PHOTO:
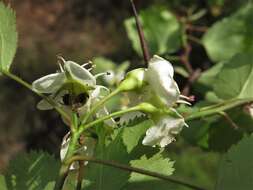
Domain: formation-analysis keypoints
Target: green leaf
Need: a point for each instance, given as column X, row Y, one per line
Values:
column 161, row 28
column 235, row 171
column 208, row 77
column 231, row 35
column 3, row 183
column 132, row 134
column 157, row 163
column 105, row 177
column 32, row 171
column 8, row 36
column 235, row 78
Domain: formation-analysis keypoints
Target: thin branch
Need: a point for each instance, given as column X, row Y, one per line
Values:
column 134, row 169
column 194, row 39
column 185, row 58
column 143, row 42
column 63, row 173
column 193, row 77
column 109, row 116
column 80, row 175
column 217, row 108
column 229, row 120
column 194, row 28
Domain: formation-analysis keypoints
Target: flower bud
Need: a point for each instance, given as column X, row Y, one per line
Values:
column 134, row 80
column 147, row 108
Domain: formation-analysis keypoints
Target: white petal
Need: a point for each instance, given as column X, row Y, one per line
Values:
column 153, row 137
column 165, row 66
column 50, row 83
column 79, row 73
column 160, row 76
column 163, row 133
column 44, row 105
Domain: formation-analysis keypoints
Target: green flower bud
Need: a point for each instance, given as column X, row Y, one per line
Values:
column 134, row 80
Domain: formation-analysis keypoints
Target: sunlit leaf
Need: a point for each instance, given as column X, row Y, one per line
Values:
column 231, row 35
column 157, row 163
column 235, row 78
column 8, row 36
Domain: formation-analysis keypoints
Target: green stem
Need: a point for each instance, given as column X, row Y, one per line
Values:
column 118, row 113
column 65, row 165
column 134, row 169
column 98, row 105
column 27, row 85
column 216, row 109
column 63, row 173
column 80, row 175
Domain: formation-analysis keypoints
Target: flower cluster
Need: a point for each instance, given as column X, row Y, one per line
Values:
column 74, row 89
column 160, row 89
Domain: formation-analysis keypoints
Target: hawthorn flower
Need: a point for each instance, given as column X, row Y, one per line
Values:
column 74, row 86
column 159, row 88
column 164, row 131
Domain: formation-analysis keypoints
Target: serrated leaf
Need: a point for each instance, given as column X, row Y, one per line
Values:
column 162, row 31
column 235, row 170
column 32, row 171
column 8, row 36
column 132, row 134
column 157, row 163
column 235, row 78
column 105, row 177
column 231, row 35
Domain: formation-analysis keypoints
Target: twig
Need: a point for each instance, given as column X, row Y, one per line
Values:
column 28, row 86
column 134, row 169
column 194, row 39
column 63, row 173
column 215, row 109
column 194, row 28
column 185, row 58
column 229, row 120
column 193, row 77
column 143, row 42
column 80, row 175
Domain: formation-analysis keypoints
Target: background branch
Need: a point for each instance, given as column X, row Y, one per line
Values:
column 143, row 42
column 134, row 169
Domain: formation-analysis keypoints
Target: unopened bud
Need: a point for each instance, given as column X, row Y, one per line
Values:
column 134, row 80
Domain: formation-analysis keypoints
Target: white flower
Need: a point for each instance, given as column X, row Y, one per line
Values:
column 159, row 75
column 74, row 84
column 164, row 131
column 160, row 89
column 71, row 74
column 86, row 149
